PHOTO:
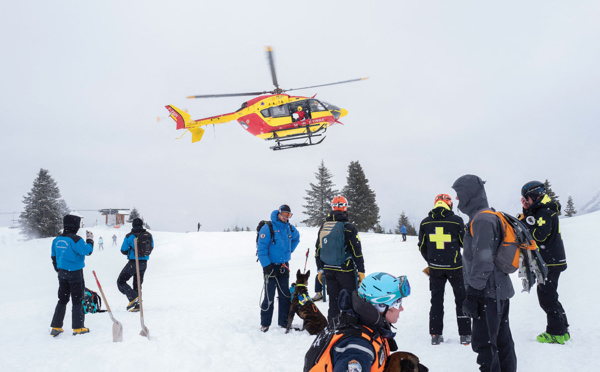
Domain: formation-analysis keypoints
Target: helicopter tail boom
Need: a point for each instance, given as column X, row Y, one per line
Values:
column 181, row 117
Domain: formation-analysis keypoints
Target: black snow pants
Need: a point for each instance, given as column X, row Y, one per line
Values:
column 492, row 339
column 70, row 285
column 548, row 299
column 335, row 282
column 437, row 286
column 126, row 274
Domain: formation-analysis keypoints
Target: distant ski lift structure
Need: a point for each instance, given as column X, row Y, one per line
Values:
column 114, row 216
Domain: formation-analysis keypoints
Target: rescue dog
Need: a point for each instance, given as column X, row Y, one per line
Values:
column 403, row 361
column 314, row 321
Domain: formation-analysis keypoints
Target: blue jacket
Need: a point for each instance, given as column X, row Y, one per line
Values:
column 403, row 229
column 128, row 246
column 70, row 250
column 287, row 238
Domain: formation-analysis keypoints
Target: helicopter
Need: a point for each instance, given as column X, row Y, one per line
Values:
column 289, row 121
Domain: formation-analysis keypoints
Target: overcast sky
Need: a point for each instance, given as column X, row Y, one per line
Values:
column 508, row 90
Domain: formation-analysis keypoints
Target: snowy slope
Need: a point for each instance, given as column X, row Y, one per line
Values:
column 201, row 300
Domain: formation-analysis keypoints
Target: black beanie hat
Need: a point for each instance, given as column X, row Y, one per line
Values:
column 71, row 222
column 137, row 223
column 285, row 208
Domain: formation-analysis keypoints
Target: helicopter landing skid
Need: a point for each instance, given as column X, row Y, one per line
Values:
column 302, row 139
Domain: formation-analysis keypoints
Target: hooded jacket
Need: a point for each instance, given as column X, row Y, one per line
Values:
column 351, row 241
column 69, row 249
column 440, row 239
column 287, row 238
column 479, row 270
column 542, row 220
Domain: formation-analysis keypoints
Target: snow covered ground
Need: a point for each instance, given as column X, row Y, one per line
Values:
column 201, row 301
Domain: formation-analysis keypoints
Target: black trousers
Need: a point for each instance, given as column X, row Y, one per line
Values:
column 70, row 285
column 335, row 282
column 492, row 339
column 437, row 286
column 548, row 299
column 126, row 274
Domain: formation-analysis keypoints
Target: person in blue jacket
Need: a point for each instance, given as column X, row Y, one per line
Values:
column 68, row 258
column 403, row 232
column 274, row 253
column 129, row 271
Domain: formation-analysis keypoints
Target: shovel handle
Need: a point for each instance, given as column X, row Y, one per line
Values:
column 102, row 293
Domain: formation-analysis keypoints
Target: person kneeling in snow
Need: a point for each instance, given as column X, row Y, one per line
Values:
column 360, row 338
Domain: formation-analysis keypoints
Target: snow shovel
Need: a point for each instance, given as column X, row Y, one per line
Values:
column 117, row 327
column 145, row 332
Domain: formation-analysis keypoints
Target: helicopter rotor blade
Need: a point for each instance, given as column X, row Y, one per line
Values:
column 324, row 85
column 229, row 95
column 272, row 67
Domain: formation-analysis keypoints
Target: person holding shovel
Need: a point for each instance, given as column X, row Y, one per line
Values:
column 129, row 271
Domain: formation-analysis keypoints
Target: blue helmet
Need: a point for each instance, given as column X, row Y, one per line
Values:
column 383, row 288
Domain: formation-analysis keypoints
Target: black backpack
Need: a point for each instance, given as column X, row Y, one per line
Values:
column 144, row 243
column 260, row 225
column 91, row 302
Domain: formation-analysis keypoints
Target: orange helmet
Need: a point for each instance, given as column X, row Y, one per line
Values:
column 443, row 198
column 339, row 203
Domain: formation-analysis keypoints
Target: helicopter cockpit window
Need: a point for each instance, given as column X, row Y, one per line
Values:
column 316, row 106
column 279, row 111
column 266, row 113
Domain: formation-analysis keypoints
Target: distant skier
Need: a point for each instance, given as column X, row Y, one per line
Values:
column 129, row 271
column 100, row 244
column 114, row 237
column 403, row 232
column 541, row 216
column 68, row 258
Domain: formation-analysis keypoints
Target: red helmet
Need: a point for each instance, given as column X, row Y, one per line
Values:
column 445, row 198
column 339, row 203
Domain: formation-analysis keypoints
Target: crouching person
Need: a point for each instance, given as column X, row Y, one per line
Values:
column 361, row 338
column 68, row 257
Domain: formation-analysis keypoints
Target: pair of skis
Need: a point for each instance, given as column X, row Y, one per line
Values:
column 117, row 326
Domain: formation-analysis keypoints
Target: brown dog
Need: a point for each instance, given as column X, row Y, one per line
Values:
column 314, row 321
column 403, row 361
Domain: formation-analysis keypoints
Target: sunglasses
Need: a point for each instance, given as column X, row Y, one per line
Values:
column 397, row 304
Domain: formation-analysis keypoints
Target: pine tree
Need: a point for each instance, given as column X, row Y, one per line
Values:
column 363, row 211
column 44, row 208
column 133, row 215
column 319, row 197
column 549, row 191
column 570, row 211
column 379, row 229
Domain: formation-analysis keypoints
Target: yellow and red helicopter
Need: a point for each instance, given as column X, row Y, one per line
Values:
column 291, row 121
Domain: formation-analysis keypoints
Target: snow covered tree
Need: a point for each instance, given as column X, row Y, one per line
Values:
column 133, row 215
column 44, row 208
column 379, row 229
column 319, row 197
column 570, row 211
column 363, row 211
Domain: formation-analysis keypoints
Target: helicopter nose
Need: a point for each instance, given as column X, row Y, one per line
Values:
column 343, row 112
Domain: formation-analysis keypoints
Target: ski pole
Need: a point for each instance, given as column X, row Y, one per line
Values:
column 306, row 260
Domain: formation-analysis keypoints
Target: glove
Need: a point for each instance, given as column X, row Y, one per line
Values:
column 89, row 235
column 426, row 270
column 320, row 276
column 361, row 276
column 473, row 304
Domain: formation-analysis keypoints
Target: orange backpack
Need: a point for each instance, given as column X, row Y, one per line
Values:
column 518, row 251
